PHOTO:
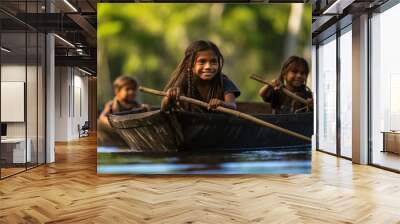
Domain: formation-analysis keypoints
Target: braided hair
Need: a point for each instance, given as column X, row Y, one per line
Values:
column 183, row 74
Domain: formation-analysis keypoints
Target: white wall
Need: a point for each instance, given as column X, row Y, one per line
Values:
column 61, row 103
column 71, row 102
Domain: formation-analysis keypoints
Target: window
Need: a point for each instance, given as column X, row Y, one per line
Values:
column 327, row 95
column 346, row 92
column 385, row 88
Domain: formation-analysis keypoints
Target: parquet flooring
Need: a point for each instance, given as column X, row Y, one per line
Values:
column 70, row 191
column 10, row 171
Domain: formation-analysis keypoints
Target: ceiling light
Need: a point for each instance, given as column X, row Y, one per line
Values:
column 337, row 7
column 70, row 5
column 65, row 41
column 84, row 71
column 5, row 50
column 331, row 7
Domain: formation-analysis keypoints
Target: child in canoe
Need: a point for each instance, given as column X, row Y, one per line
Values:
column 199, row 76
column 293, row 77
column 125, row 89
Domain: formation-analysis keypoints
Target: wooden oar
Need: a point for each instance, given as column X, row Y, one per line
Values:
column 231, row 112
column 285, row 91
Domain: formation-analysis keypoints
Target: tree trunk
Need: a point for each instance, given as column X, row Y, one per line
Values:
column 294, row 25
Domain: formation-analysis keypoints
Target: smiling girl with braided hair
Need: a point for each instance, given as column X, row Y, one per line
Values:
column 199, row 76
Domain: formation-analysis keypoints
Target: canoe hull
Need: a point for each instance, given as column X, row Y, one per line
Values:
column 227, row 132
column 155, row 131
column 149, row 131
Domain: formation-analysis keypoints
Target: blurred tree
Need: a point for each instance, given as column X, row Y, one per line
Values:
column 104, row 90
column 147, row 41
column 294, row 26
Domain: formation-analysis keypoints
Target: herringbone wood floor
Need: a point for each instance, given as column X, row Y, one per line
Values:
column 70, row 191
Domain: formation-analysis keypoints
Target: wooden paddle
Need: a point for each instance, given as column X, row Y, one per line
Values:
column 284, row 90
column 231, row 112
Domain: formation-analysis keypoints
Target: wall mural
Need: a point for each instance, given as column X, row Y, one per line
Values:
column 204, row 88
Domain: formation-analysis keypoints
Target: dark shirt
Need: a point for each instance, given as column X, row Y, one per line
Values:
column 230, row 87
column 283, row 104
column 227, row 85
column 114, row 106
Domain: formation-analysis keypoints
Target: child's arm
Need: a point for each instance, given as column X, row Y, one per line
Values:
column 264, row 91
column 310, row 104
column 171, row 97
column 310, row 100
column 229, row 102
column 164, row 104
column 146, row 107
column 103, row 118
column 268, row 93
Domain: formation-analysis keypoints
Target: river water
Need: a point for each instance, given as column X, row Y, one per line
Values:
column 293, row 160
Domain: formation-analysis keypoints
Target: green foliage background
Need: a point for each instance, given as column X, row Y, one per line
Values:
column 147, row 41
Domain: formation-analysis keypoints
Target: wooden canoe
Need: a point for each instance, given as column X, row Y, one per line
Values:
column 156, row 131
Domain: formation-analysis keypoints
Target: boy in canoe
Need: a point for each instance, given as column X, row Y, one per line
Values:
column 199, row 76
column 293, row 77
column 125, row 89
